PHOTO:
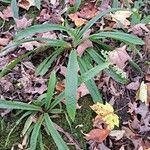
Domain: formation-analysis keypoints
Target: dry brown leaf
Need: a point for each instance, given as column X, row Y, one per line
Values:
column 88, row 11
column 121, row 17
column 23, row 23
column 138, row 29
column 83, row 46
column 147, row 43
column 26, row 4
column 82, row 91
column 133, row 85
column 119, row 56
column 118, row 134
column 30, row 45
column 4, row 41
column 60, row 86
column 98, row 135
column 78, row 21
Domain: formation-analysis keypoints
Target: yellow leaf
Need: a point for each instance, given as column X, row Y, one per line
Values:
column 102, row 109
column 111, row 120
column 106, row 112
column 142, row 93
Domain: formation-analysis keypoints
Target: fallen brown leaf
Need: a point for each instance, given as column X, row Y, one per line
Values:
column 119, row 56
column 26, row 4
column 98, row 135
column 23, row 23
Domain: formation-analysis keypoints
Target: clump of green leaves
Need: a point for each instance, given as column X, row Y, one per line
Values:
column 41, row 110
column 87, row 69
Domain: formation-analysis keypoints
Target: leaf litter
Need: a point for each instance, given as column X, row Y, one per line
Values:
column 22, row 83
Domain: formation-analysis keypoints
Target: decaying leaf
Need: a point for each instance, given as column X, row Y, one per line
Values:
column 78, row 21
column 118, row 134
column 97, row 135
column 106, row 112
column 23, row 23
column 121, row 17
column 119, row 56
column 142, row 93
column 83, row 46
column 26, row 4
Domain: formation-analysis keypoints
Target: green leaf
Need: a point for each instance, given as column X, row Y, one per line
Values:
column 93, row 72
column 98, row 59
column 85, row 66
column 40, row 29
column 54, row 133
column 37, row 4
column 35, row 133
column 115, row 4
column 146, row 19
column 71, row 84
column 50, row 90
column 18, row 105
column 13, row 63
column 15, row 9
column 118, row 36
column 49, row 42
column 46, row 64
column 16, row 124
column 27, row 125
column 96, row 18
column 41, row 142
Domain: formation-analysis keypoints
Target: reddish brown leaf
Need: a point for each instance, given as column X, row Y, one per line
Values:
column 98, row 135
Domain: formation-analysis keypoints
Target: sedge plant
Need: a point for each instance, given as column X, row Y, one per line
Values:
column 87, row 69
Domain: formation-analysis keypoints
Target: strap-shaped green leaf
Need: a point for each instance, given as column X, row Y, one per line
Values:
column 84, row 66
column 46, row 64
column 16, row 124
column 129, row 38
column 54, row 133
column 97, row 17
column 50, row 90
column 15, row 9
column 35, row 133
column 98, row 59
column 37, row 4
column 40, row 29
column 71, row 84
column 18, row 105
column 13, row 63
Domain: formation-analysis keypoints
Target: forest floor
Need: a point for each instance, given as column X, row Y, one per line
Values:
column 130, row 101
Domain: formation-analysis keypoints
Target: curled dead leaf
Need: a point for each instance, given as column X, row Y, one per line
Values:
column 98, row 135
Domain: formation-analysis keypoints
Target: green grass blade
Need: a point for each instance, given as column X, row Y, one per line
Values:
column 13, row 63
column 40, row 29
column 18, row 105
column 58, row 99
column 41, row 141
column 71, row 84
column 27, row 125
column 129, row 38
column 16, row 124
column 46, row 64
column 97, row 17
column 95, row 94
column 35, row 133
column 50, row 90
column 54, row 133
column 15, row 9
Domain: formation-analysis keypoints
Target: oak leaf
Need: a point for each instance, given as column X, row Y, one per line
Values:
column 26, row 4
